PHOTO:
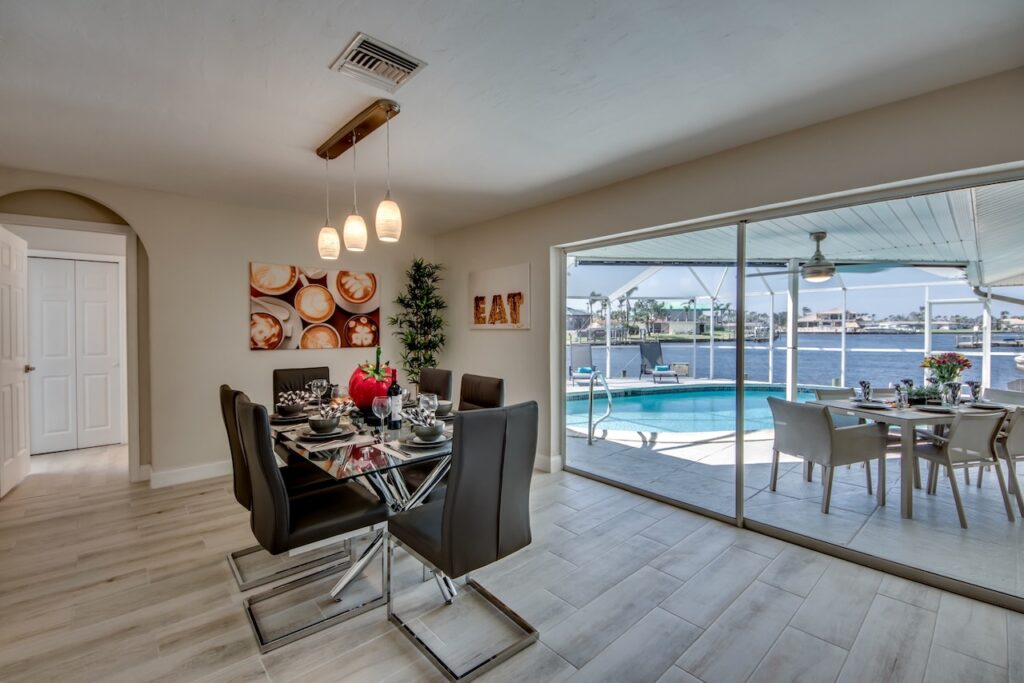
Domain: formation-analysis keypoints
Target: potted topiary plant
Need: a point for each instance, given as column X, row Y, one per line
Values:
column 420, row 327
column 919, row 396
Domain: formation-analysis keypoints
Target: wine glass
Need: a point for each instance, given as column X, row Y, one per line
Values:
column 318, row 387
column 865, row 390
column 381, row 408
column 428, row 404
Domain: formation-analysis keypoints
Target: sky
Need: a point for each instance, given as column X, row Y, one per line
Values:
column 675, row 281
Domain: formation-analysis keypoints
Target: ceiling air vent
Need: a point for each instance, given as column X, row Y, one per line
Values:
column 377, row 63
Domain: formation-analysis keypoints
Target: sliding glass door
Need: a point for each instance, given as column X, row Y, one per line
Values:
column 686, row 349
column 656, row 339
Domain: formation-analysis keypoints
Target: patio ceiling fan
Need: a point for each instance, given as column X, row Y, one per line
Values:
column 819, row 269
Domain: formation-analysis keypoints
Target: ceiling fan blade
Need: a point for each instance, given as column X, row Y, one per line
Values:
column 751, row 273
column 867, row 267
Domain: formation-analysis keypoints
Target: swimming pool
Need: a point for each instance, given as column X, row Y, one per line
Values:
column 692, row 409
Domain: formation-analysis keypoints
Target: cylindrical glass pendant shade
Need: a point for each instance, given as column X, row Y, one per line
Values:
column 328, row 243
column 355, row 233
column 389, row 221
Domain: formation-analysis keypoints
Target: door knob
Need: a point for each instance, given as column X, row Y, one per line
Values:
column 29, row 368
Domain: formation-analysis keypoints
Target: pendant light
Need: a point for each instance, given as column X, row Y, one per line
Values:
column 355, row 227
column 328, row 243
column 389, row 216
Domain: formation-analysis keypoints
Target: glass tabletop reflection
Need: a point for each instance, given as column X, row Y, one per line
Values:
column 363, row 452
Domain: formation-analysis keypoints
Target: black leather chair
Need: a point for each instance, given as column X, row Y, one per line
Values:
column 484, row 516
column 436, row 381
column 479, row 392
column 298, row 478
column 281, row 522
column 296, row 379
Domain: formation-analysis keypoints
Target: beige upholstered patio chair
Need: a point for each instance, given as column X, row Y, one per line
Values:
column 1013, row 398
column 1011, row 442
column 807, row 431
column 971, row 440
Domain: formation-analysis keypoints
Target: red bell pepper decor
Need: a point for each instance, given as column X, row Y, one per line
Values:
column 369, row 381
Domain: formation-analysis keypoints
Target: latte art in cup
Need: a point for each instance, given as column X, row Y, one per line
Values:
column 320, row 337
column 272, row 278
column 265, row 331
column 314, row 303
column 361, row 331
column 357, row 287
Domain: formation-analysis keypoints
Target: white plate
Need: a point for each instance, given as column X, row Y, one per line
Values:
column 986, row 405
column 942, row 410
column 870, row 405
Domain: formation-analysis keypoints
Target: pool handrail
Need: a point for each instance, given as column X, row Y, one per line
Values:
column 591, row 425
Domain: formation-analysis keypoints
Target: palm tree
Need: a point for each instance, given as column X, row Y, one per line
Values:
column 624, row 300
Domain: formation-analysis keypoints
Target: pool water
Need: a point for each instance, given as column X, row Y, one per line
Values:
column 704, row 410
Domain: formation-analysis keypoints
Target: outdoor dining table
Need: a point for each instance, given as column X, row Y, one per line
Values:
column 374, row 461
column 907, row 419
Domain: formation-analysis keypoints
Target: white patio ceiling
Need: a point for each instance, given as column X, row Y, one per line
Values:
column 983, row 226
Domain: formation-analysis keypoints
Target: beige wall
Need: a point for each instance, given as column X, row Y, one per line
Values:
column 197, row 254
column 971, row 125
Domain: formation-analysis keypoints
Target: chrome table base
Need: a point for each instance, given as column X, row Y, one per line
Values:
column 394, row 492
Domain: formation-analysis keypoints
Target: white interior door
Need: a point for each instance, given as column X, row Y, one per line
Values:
column 53, row 383
column 14, row 430
column 98, row 354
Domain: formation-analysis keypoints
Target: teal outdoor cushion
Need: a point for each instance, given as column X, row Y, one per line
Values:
column 661, row 368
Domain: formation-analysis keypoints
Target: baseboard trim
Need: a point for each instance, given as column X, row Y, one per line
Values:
column 547, row 463
column 158, row 479
column 142, row 474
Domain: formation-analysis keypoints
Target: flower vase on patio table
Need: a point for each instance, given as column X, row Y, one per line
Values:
column 951, row 393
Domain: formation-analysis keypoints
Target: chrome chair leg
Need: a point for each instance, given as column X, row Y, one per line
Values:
column 443, row 587
column 266, row 643
column 530, row 634
column 336, row 560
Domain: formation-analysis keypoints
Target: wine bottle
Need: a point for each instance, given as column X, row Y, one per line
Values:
column 395, row 400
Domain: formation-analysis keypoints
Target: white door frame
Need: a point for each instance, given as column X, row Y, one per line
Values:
column 136, row 471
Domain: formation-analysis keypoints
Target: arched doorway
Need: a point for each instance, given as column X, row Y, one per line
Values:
column 49, row 213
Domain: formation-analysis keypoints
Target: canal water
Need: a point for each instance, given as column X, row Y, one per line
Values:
column 877, row 358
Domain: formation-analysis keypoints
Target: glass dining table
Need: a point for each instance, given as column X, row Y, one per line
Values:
column 375, row 460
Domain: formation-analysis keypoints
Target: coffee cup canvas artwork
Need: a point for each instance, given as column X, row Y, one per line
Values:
column 291, row 307
column 500, row 298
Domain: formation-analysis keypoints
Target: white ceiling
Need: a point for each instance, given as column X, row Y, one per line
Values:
column 521, row 102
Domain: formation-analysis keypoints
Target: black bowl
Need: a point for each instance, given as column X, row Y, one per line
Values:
column 322, row 426
column 289, row 410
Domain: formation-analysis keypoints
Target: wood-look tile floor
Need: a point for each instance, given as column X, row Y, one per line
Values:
column 989, row 553
column 101, row 580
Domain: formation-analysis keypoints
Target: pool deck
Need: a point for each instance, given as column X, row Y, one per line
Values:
column 580, row 388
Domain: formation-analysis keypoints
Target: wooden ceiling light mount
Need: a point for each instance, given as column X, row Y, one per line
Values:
column 363, row 123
